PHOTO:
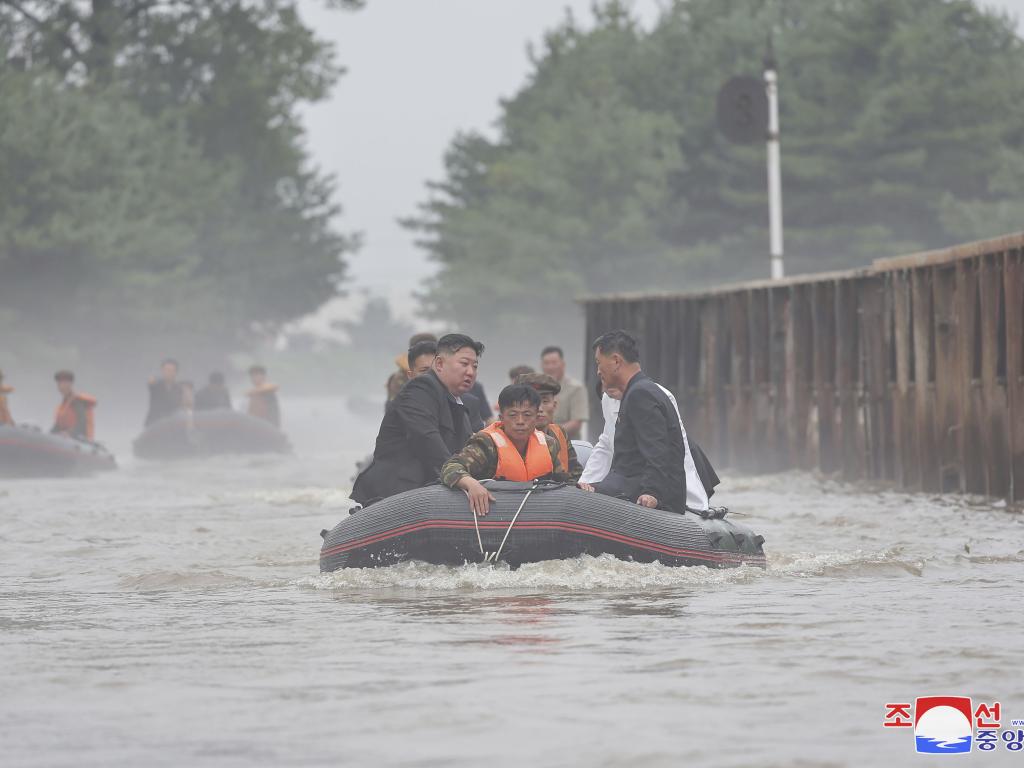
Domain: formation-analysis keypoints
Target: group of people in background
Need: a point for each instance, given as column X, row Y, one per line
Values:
column 169, row 395
column 438, row 425
column 75, row 414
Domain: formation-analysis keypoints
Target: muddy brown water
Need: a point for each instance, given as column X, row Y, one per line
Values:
column 174, row 615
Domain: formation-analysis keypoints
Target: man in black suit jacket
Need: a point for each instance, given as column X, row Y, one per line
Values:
column 647, row 463
column 424, row 425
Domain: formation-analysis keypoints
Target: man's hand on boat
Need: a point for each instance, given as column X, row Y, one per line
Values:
column 479, row 497
column 646, row 500
column 585, row 487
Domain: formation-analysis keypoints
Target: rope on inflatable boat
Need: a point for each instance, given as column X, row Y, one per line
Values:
column 492, row 557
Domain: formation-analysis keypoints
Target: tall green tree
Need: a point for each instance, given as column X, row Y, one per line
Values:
column 166, row 199
column 902, row 128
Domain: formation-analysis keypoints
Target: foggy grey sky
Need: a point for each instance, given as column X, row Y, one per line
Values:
column 418, row 72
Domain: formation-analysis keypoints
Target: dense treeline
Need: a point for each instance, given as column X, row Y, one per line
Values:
column 156, row 193
column 902, row 128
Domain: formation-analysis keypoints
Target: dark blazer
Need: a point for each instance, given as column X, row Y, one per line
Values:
column 649, row 448
column 164, row 400
column 422, row 427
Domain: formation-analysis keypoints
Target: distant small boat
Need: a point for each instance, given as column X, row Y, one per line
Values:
column 207, row 433
column 27, row 451
column 530, row 523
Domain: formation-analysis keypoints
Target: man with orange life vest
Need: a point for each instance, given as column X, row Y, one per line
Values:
column 263, row 397
column 511, row 448
column 75, row 413
column 5, row 413
column 548, row 388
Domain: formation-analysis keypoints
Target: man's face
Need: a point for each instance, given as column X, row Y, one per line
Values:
column 553, row 365
column 519, row 420
column 169, row 372
column 608, row 367
column 257, row 378
column 457, row 371
column 64, row 387
column 419, row 366
column 546, row 416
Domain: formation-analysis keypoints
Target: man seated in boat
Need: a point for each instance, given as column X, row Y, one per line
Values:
column 263, row 397
column 701, row 477
column 421, row 358
column 214, row 395
column 548, row 388
column 404, row 365
column 74, row 416
column 5, row 413
column 164, row 392
column 648, row 462
column 424, row 425
column 512, row 448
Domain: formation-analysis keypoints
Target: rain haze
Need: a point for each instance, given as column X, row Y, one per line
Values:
column 641, row 504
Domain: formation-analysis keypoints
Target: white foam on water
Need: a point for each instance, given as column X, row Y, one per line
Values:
column 605, row 572
column 312, row 497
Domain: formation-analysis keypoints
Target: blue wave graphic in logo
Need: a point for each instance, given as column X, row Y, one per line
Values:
column 943, row 746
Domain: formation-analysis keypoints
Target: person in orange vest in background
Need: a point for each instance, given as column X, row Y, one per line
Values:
column 75, row 413
column 511, row 448
column 263, row 397
column 548, row 388
column 5, row 413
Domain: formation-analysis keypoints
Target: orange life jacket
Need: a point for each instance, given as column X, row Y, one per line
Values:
column 5, row 413
column 66, row 420
column 511, row 465
column 563, row 445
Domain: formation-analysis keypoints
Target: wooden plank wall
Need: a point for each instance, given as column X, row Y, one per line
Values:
column 909, row 373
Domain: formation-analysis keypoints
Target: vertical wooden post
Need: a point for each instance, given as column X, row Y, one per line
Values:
column 907, row 473
column 847, row 378
column 823, row 313
column 948, row 420
column 1013, row 298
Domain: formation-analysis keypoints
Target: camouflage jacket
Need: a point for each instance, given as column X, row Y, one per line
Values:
column 575, row 468
column 479, row 459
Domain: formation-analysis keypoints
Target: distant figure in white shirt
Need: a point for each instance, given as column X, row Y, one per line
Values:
column 600, row 460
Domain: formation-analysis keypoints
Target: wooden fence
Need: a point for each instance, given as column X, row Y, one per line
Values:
column 910, row 371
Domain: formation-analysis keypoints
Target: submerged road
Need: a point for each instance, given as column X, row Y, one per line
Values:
column 173, row 615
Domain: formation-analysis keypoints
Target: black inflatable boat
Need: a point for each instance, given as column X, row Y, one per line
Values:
column 29, row 452
column 530, row 523
column 209, row 432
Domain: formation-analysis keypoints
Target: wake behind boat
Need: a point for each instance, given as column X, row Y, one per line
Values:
column 27, row 451
column 531, row 523
column 204, row 433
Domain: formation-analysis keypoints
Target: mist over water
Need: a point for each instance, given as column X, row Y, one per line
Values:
column 173, row 614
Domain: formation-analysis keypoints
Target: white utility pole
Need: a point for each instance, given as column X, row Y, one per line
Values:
column 774, row 166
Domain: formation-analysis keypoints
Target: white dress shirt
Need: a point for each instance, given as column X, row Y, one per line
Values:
column 600, row 461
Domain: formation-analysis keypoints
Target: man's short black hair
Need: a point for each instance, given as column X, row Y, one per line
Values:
column 618, row 341
column 517, row 394
column 257, row 369
column 451, row 343
column 63, row 376
column 217, row 378
column 552, row 349
column 169, row 361
column 421, row 348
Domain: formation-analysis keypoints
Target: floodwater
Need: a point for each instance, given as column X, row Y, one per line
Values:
column 173, row 615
